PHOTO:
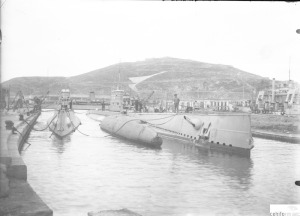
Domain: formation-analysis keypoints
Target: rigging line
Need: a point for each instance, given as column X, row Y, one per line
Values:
column 122, row 126
column 126, row 123
column 27, row 146
column 23, row 137
column 141, row 120
column 161, row 123
column 68, row 114
column 41, row 129
column 82, row 133
column 105, row 135
column 55, row 124
column 170, row 116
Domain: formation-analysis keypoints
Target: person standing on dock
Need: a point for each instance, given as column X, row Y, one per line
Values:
column 71, row 104
column 176, row 103
column 140, row 105
column 136, row 104
column 103, row 105
column 37, row 104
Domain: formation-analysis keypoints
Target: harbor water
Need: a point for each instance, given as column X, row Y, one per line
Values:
column 83, row 173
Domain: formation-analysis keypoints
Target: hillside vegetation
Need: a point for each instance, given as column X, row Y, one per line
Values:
column 191, row 79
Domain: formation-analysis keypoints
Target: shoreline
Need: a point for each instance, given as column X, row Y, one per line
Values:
column 291, row 138
column 276, row 127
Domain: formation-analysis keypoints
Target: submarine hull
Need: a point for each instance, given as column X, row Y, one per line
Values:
column 63, row 122
column 131, row 129
column 225, row 132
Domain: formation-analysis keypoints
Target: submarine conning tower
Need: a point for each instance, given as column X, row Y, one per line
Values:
column 116, row 102
column 64, row 99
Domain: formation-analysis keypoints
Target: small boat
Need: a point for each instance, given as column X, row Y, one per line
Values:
column 64, row 121
column 132, row 129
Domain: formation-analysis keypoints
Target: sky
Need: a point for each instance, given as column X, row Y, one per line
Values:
column 68, row 38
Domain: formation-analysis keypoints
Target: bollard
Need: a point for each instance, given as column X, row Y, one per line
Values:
column 13, row 130
column 21, row 117
column 9, row 125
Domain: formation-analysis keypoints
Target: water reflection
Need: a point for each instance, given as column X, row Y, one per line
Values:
column 60, row 144
column 90, row 173
column 237, row 168
column 135, row 144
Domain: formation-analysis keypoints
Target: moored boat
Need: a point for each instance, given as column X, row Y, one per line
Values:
column 229, row 132
column 64, row 121
column 221, row 131
column 130, row 128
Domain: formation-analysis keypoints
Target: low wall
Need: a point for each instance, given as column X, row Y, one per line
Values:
column 21, row 198
column 285, row 138
column 17, row 169
column 76, row 106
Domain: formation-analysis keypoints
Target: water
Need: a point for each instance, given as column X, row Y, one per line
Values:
column 92, row 173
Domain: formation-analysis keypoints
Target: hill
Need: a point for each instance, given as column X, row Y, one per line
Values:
column 186, row 77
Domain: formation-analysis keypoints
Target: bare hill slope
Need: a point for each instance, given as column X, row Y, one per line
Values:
column 186, row 77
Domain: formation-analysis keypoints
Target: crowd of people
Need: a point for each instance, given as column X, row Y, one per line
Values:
column 140, row 105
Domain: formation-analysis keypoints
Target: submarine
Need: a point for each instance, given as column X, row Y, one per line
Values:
column 132, row 129
column 64, row 121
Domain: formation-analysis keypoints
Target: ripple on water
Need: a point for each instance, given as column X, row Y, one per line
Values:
column 89, row 173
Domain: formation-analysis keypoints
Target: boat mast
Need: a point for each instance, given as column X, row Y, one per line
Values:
column 8, row 97
column 290, row 68
column 119, row 78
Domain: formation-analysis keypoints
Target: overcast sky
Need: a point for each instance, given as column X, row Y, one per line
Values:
column 67, row 38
